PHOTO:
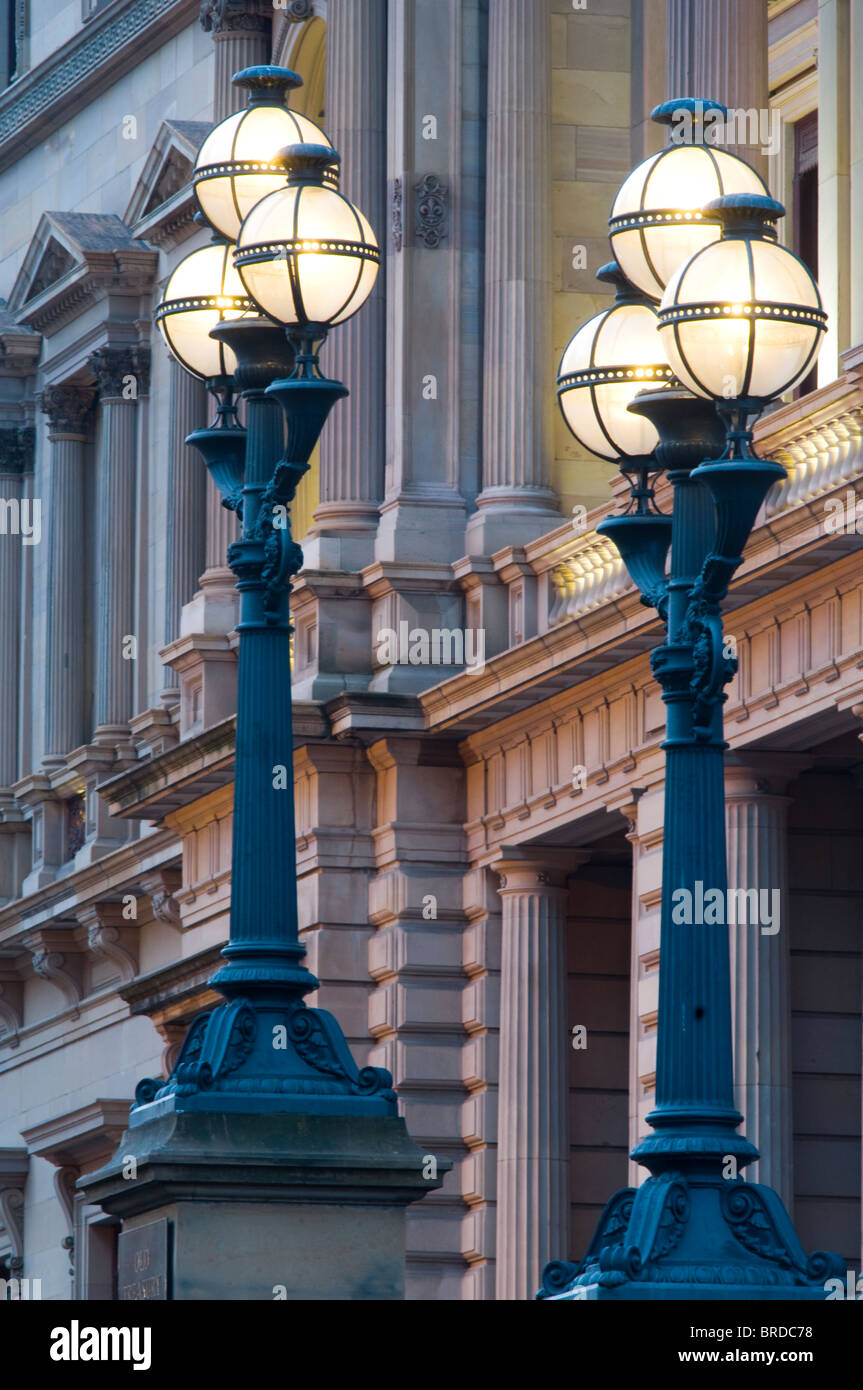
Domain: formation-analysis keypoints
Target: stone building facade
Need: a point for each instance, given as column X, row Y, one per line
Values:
column 479, row 843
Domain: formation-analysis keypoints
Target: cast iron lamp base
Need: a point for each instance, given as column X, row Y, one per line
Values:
column 690, row 1234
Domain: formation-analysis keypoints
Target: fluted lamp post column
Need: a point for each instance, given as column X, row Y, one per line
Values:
column 740, row 321
column 264, row 1088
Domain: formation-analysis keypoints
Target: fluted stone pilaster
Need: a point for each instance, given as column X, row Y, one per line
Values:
column 353, row 445
column 221, row 530
column 242, row 33
column 756, row 819
column 719, row 50
column 533, row 1153
column 187, row 504
column 16, row 451
column 855, row 169
column 67, row 408
column 516, row 502
column 22, row 527
column 121, row 376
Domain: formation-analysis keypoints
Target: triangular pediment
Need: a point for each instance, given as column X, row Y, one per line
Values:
column 56, row 261
column 62, row 243
column 72, row 256
column 163, row 204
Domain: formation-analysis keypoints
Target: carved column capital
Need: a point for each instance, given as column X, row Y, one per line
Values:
column 762, row 774
column 67, row 408
column 121, row 373
column 525, row 870
column 230, row 17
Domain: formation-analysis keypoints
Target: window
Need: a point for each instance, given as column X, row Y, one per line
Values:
column 806, row 209
column 90, row 8
column 14, row 28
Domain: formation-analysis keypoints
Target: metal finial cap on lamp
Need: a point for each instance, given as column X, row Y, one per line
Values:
column 608, row 360
column 659, row 218
column 305, row 254
column 267, row 84
column 237, row 164
column 761, row 336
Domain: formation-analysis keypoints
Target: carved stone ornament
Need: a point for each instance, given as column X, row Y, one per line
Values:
column 432, row 209
column 17, row 448
column 54, row 966
column 235, row 16
column 397, row 206
column 114, row 367
column 12, row 1217
column 165, row 908
column 67, row 408
column 108, row 943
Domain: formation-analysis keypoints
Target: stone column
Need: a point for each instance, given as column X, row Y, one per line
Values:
column 719, row 50
column 201, row 532
column 187, row 499
column 118, row 373
column 533, row 1147
column 516, row 503
column 856, row 173
column 242, row 32
column 67, row 408
column 16, row 449
column 23, row 527
column 756, row 818
column 354, row 443
column 836, row 144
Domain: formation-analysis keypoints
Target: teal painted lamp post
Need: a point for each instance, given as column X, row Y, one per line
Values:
column 291, row 257
column 267, row 1130
column 739, row 323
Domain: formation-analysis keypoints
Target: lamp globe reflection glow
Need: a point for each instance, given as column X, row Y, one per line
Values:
column 608, row 360
column 203, row 290
column 761, row 336
column 305, row 254
column 237, row 164
column 658, row 219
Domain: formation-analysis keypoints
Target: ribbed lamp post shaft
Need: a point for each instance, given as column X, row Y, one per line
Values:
column 694, row 1068
column 264, row 953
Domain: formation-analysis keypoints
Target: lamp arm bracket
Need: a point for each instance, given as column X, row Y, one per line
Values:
column 713, row 666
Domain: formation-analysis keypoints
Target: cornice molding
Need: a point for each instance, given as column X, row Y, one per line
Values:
column 79, row 1138
column 104, row 51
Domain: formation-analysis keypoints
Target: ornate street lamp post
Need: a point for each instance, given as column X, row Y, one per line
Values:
column 257, row 472
column 265, row 1101
column 740, row 323
column 229, row 328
